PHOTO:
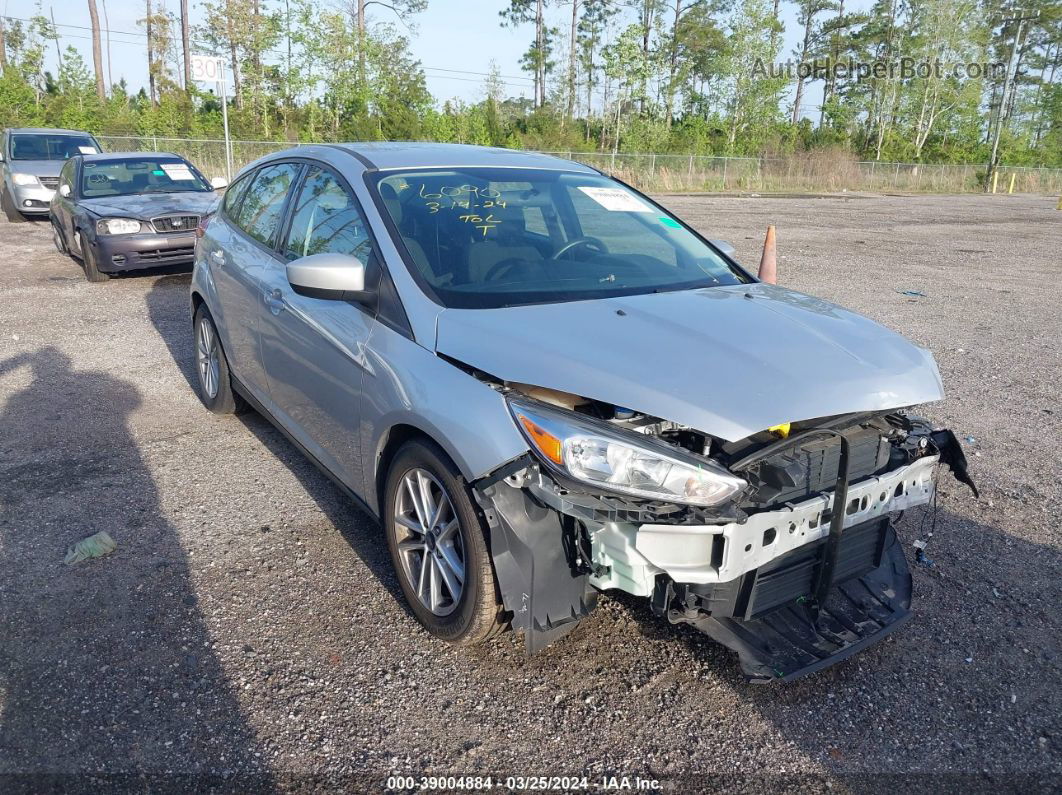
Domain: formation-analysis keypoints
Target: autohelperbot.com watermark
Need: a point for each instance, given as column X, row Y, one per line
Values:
column 903, row 68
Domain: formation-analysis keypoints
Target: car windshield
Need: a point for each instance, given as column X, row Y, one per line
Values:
column 140, row 175
column 492, row 237
column 42, row 146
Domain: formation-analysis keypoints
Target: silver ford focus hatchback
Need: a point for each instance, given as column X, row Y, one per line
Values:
column 544, row 385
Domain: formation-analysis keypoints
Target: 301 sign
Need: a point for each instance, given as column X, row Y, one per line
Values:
column 207, row 69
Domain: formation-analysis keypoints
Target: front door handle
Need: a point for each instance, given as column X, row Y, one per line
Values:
column 275, row 301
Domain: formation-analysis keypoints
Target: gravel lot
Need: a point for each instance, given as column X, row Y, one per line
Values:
column 248, row 632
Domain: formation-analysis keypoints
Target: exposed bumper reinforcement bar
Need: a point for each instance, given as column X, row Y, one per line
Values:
column 685, row 553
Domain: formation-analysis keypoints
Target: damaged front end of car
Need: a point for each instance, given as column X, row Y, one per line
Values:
column 779, row 546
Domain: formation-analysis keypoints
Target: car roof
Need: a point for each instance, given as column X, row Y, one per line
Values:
column 43, row 130
column 104, row 156
column 385, row 155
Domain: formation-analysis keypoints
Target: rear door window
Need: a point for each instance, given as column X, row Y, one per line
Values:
column 233, row 193
column 262, row 208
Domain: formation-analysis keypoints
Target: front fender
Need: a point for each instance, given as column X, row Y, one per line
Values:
column 408, row 385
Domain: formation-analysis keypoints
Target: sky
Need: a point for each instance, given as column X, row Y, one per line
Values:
column 455, row 40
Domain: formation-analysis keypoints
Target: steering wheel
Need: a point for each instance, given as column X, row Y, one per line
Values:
column 502, row 268
column 580, row 241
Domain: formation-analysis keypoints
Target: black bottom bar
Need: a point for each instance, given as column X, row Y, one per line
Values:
column 791, row 641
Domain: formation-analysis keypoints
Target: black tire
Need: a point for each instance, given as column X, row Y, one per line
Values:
column 12, row 213
column 224, row 399
column 59, row 240
column 478, row 613
column 88, row 263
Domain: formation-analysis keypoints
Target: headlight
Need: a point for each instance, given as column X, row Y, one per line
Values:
column 25, row 179
column 616, row 460
column 117, row 226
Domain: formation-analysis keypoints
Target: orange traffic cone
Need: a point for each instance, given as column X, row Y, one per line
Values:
column 768, row 265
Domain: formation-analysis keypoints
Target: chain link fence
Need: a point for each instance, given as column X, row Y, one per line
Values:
column 810, row 171
column 208, row 154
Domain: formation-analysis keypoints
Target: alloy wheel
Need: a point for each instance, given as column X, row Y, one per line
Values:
column 207, row 358
column 428, row 537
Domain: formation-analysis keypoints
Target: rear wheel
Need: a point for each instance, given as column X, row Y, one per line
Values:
column 439, row 547
column 10, row 210
column 88, row 263
column 215, row 383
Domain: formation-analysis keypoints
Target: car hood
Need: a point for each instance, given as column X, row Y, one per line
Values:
column 728, row 361
column 149, row 205
column 39, row 168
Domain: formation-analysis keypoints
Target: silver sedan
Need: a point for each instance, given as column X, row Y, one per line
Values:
column 544, row 385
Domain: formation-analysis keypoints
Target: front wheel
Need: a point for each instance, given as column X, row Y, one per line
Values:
column 439, row 547
column 215, row 383
column 88, row 263
column 10, row 210
column 59, row 240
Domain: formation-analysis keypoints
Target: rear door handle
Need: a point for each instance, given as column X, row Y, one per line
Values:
column 218, row 256
column 275, row 301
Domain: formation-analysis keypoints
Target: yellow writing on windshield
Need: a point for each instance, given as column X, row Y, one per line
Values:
column 460, row 197
column 485, row 224
column 458, row 191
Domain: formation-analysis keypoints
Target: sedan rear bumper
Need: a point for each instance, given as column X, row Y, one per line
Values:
column 118, row 253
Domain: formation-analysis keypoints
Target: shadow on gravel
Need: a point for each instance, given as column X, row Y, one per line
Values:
column 106, row 667
column 167, row 304
column 359, row 530
column 168, row 308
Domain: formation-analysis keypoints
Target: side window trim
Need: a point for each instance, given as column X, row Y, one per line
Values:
column 390, row 312
column 289, row 199
column 289, row 210
column 75, row 185
column 64, row 172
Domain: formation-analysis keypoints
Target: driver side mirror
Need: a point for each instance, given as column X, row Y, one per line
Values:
column 336, row 277
column 217, row 183
column 64, row 190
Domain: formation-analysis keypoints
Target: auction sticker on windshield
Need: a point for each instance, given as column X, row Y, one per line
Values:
column 176, row 171
column 617, row 200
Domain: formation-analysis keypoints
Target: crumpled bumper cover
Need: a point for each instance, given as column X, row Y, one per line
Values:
column 543, row 588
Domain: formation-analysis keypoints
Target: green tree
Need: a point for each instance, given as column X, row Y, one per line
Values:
column 75, row 103
column 627, row 63
column 536, row 59
column 752, row 97
column 809, row 43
